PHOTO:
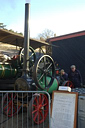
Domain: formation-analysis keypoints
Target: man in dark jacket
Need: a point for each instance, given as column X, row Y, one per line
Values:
column 75, row 77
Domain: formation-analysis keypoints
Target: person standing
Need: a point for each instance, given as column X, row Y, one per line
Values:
column 75, row 77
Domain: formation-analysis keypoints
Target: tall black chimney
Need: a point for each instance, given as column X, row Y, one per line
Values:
column 26, row 40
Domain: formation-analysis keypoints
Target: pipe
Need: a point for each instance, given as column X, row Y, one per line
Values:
column 26, row 40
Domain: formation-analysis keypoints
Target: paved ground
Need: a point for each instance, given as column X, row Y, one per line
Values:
column 14, row 123
column 20, row 120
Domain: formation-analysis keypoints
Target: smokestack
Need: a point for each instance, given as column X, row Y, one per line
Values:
column 26, row 40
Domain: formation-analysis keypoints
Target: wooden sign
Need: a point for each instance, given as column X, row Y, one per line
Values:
column 64, row 109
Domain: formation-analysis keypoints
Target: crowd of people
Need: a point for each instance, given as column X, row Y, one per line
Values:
column 74, row 76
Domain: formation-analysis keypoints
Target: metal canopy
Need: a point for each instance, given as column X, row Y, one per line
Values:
column 18, row 40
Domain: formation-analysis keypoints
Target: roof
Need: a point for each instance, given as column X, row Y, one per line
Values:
column 18, row 40
column 67, row 36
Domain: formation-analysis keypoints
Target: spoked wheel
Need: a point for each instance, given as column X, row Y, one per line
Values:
column 44, row 68
column 9, row 107
column 38, row 108
column 68, row 84
column 32, row 57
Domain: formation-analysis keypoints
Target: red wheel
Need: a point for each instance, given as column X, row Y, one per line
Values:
column 38, row 108
column 9, row 108
column 68, row 84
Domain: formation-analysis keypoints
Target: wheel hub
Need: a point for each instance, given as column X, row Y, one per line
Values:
column 39, row 106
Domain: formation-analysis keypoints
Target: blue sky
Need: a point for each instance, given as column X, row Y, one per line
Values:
column 60, row 16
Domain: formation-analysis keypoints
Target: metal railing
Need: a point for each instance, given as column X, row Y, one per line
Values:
column 24, row 109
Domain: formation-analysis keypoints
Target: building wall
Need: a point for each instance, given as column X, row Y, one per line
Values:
column 70, row 51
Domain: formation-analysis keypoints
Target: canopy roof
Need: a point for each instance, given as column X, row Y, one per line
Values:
column 18, row 40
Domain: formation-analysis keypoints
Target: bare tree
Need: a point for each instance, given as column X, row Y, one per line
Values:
column 46, row 34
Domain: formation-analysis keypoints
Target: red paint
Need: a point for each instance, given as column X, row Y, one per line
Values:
column 67, row 36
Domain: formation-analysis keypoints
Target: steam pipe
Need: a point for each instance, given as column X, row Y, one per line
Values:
column 26, row 40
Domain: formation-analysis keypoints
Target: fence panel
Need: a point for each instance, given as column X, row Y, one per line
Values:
column 24, row 109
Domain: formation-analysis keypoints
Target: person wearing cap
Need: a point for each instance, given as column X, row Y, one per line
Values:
column 75, row 77
column 64, row 75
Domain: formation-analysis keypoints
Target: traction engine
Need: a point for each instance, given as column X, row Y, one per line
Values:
column 29, row 74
